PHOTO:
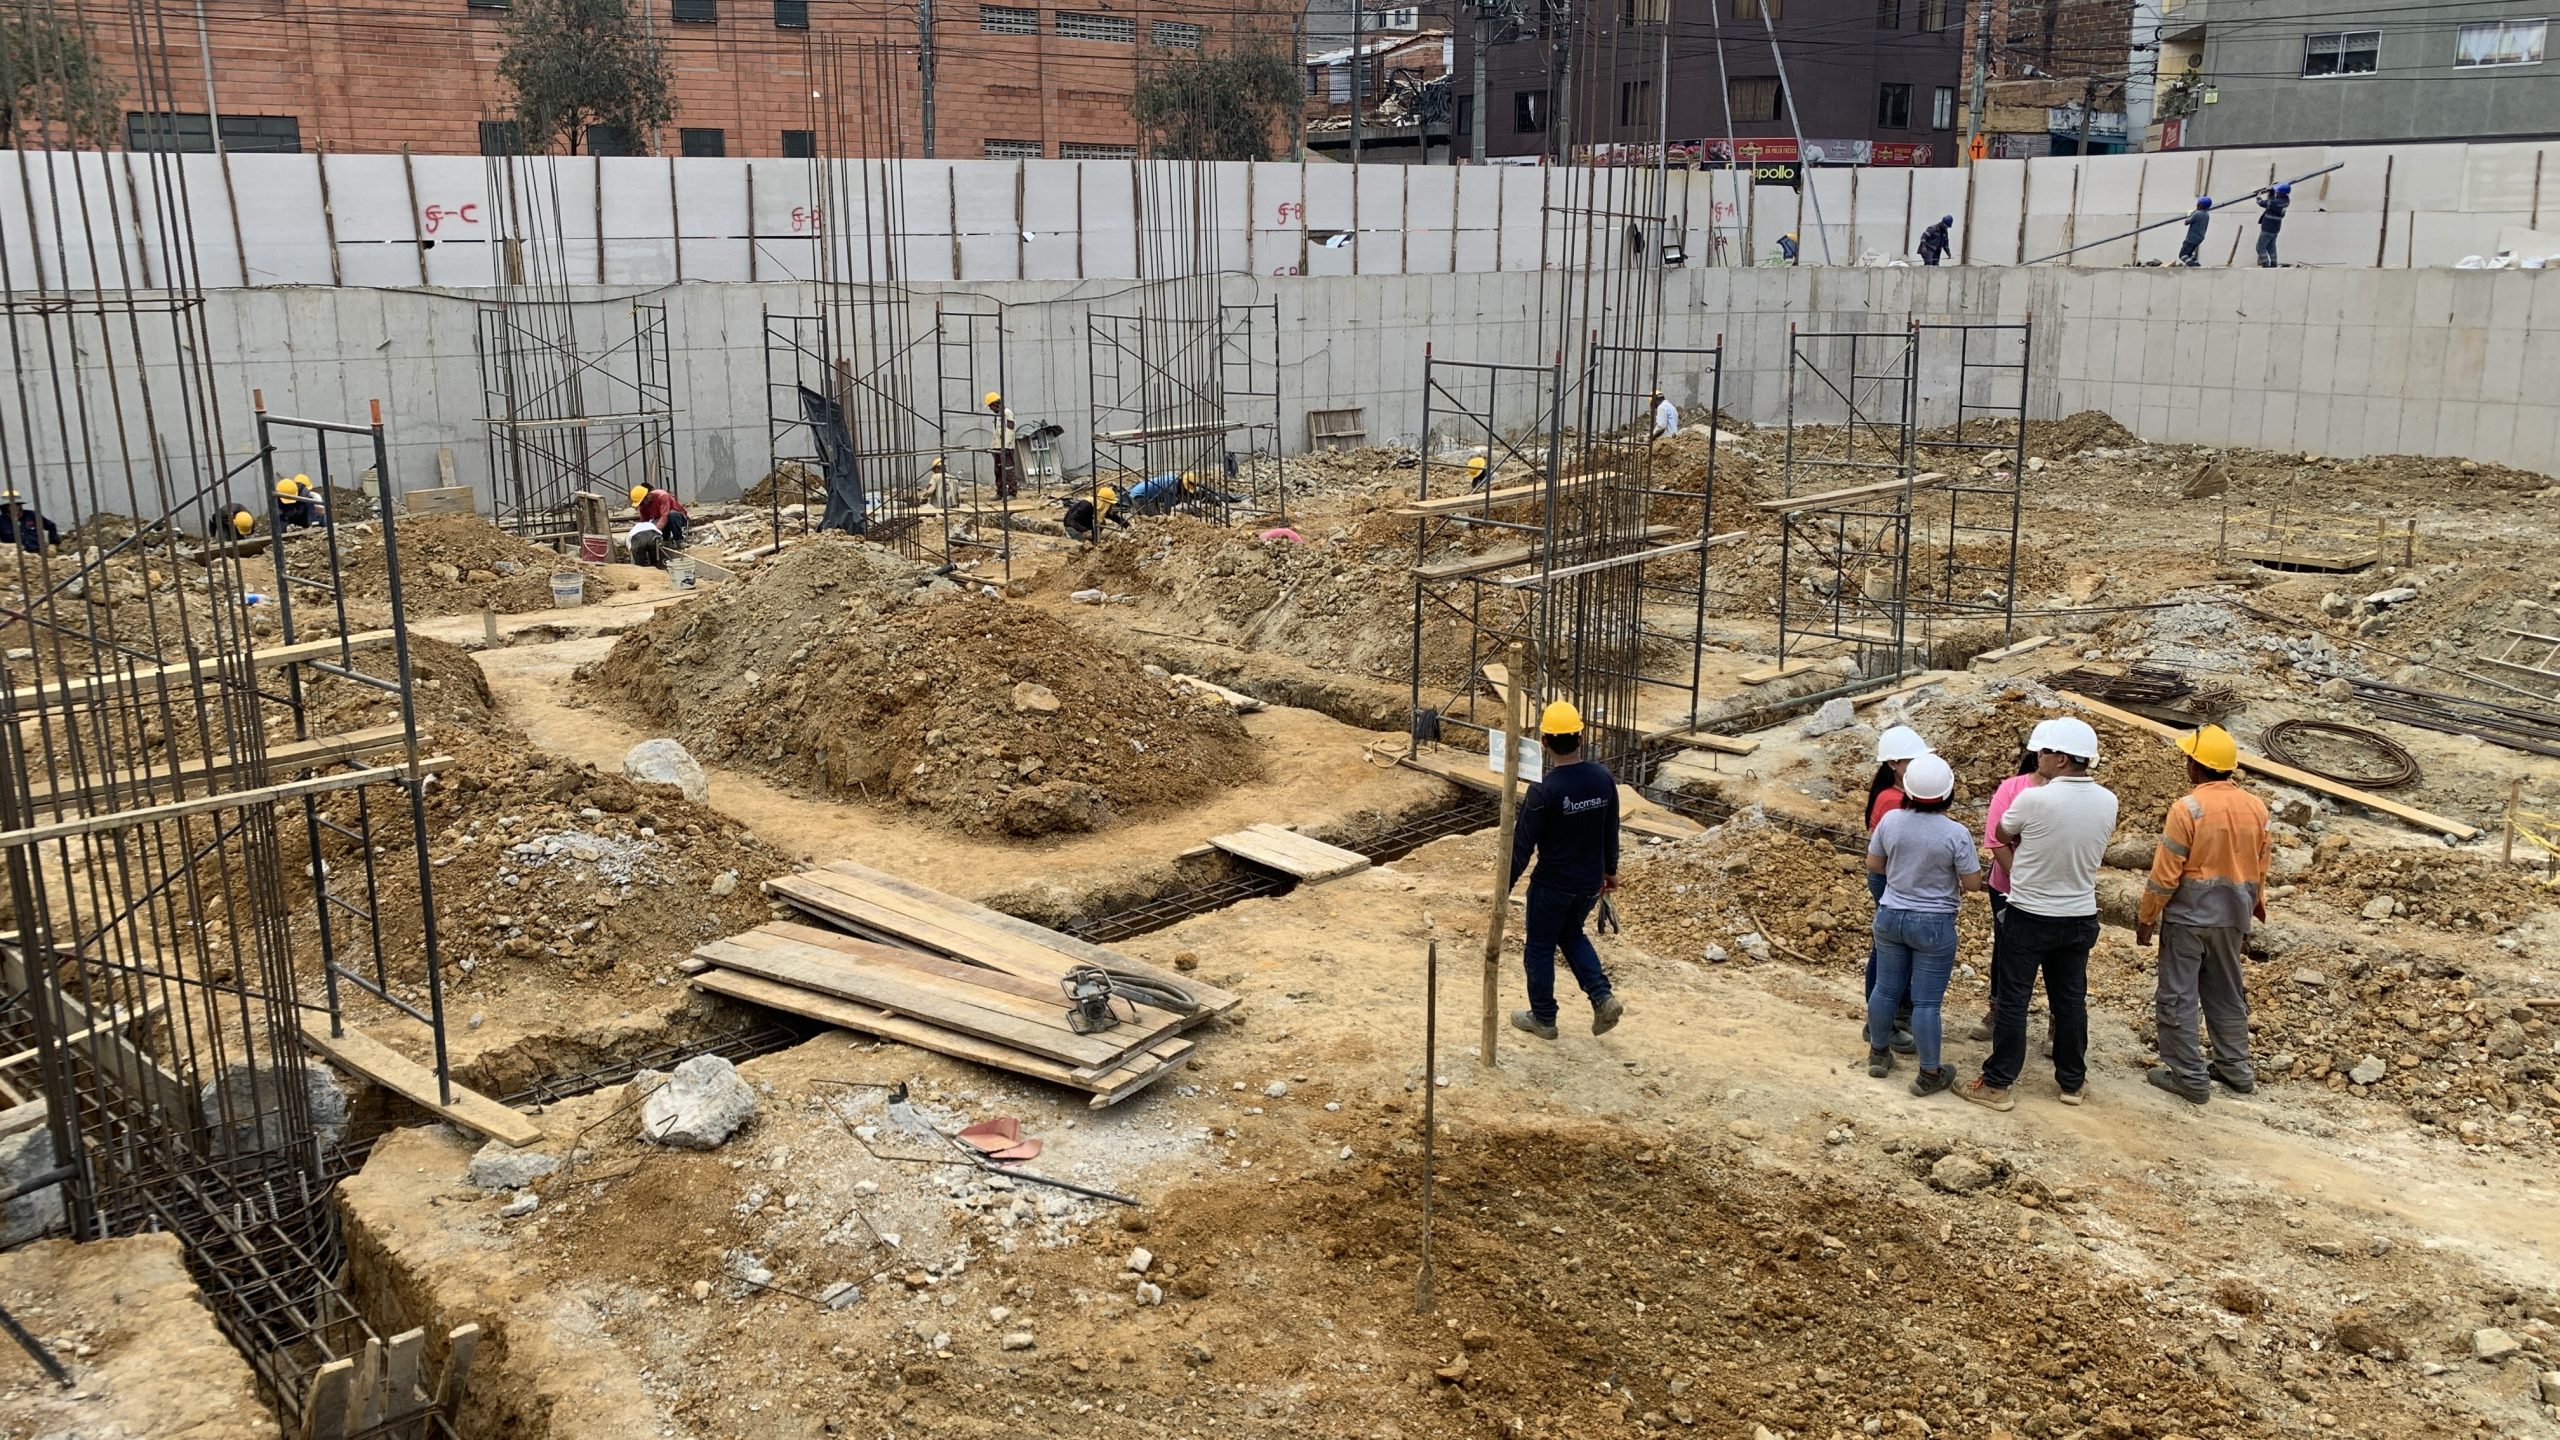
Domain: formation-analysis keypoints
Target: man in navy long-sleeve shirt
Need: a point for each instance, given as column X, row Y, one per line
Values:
column 1569, row 821
column 2199, row 220
column 2271, row 220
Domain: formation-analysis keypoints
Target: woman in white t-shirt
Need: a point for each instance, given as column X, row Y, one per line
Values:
column 1929, row 863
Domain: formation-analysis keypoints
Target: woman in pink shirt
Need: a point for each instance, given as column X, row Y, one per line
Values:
column 1997, row 882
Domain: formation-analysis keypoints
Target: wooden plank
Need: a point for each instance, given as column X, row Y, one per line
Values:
column 1700, row 740
column 1510, row 555
column 1044, row 1004
column 2012, row 652
column 1290, row 853
column 1787, row 671
column 80, row 689
column 885, row 887
column 460, row 1346
column 1106, row 1089
column 440, row 500
column 107, row 1048
column 1489, row 499
column 119, row 1021
column 1850, row 495
column 1635, row 812
column 361, row 1054
column 206, row 804
column 365, row 1405
column 325, row 1405
column 292, row 755
column 2322, row 561
column 919, row 998
column 401, row 1368
column 2259, row 765
column 1633, row 557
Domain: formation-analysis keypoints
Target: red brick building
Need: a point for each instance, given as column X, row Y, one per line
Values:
column 375, row 76
column 2048, row 59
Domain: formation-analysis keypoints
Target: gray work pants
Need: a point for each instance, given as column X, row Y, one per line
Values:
column 2200, row 970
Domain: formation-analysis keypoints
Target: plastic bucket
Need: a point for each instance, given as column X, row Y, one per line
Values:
column 680, row 571
column 595, row 549
column 568, row 591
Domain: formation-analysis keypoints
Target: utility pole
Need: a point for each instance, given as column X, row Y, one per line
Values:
column 1981, row 71
column 924, row 68
column 1563, row 102
column 1484, row 40
column 2088, row 107
column 1359, row 39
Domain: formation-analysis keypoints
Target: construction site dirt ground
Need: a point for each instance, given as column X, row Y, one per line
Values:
column 1710, row 1218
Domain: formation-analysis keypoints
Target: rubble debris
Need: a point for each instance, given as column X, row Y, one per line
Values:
column 702, row 1104
column 498, row 1166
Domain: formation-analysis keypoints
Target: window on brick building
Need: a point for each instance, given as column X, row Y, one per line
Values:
column 1644, row 12
column 791, row 14
column 799, row 144
column 1013, row 149
column 1933, row 14
column 1893, row 107
column 610, row 140
column 702, row 144
column 1635, row 102
column 1528, row 112
column 1756, row 97
column 1754, row 9
column 1888, row 14
column 501, row 137
column 2341, row 52
column 486, row 4
column 1117, row 29
column 1942, row 108
column 1089, row 150
column 1176, row 35
column 193, row 134
column 1008, row 20
column 698, row 12
column 1466, row 121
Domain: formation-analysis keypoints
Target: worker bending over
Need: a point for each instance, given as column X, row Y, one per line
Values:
column 2197, row 223
column 1666, row 417
column 1569, row 820
column 1084, row 517
column 2208, row 882
column 648, row 545
column 1934, row 240
column 662, row 512
column 295, row 507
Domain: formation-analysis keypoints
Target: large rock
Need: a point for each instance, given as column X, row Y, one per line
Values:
column 26, row 1151
column 2361, row 1332
column 702, row 1104
column 247, row 1105
column 1961, row 1174
column 498, row 1166
column 1835, row 714
column 664, row 762
column 2369, row 1070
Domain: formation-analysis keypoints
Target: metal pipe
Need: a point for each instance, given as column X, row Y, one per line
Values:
column 2181, row 219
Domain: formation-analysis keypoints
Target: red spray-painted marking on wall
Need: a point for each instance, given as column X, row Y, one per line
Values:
column 432, row 218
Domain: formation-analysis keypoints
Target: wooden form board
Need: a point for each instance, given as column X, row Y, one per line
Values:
column 363, row 1055
column 1699, row 740
column 939, row 993
column 1291, row 853
column 2323, row 561
column 227, row 800
column 440, row 500
column 2012, row 651
column 1487, row 499
column 293, row 755
column 929, row 919
column 1788, row 671
column 1635, row 812
column 1508, row 556
column 1851, row 495
column 1139, row 1071
column 2260, row 765
column 81, row 689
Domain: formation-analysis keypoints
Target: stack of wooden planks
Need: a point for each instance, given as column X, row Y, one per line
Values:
column 906, row 962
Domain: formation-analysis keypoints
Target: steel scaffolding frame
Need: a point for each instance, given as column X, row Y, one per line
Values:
column 1193, row 395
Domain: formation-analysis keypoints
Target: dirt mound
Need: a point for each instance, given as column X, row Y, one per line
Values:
column 834, row 671
column 2087, row 430
column 456, row 565
column 789, row 483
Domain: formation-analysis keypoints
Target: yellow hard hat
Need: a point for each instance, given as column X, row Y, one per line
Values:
column 1477, row 463
column 639, row 493
column 937, row 462
column 993, row 398
column 2211, row 746
column 302, row 483
column 1189, row 478
column 1106, row 496
column 1560, row 718
column 8, row 497
column 285, row 490
column 243, row 521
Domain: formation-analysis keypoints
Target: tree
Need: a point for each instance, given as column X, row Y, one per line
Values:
column 53, row 87
column 1227, row 106
column 572, row 64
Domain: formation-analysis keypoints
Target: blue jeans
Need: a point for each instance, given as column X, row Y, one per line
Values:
column 2267, row 248
column 1915, row 953
column 1875, row 892
column 1555, row 921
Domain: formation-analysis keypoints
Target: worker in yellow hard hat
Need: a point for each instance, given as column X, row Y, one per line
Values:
column 1787, row 248
column 663, row 511
column 1085, row 516
column 294, row 510
column 235, row 520
column 1010, row 450
column 1569, row 822
column 2207, row 886
column 1477, row 467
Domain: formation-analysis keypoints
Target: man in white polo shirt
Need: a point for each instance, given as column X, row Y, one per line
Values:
column 2060, row 829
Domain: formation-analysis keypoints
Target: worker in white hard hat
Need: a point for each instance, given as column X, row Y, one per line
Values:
column 1895, row 750
column 1010, row 451
column 1929, row 863
column 20, row 523
column 1569, row 824
column 1666, row 416
column 2057, row 834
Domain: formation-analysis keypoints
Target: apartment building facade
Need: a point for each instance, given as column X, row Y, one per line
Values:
column 2303, row 72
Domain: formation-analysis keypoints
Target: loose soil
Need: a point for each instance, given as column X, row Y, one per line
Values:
column 456, row 565
column 145, row 1356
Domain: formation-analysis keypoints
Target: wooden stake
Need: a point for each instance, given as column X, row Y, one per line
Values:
column 2507, row 851
column 1423, row 1297
column 1512, row 705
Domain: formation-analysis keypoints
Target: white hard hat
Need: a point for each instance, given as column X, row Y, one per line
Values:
column 2070, row 736
column 1929, row 778
column 1901, row 743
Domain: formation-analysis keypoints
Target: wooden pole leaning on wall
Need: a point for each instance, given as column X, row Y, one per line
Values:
column 1511, row 730
column 1425, row 1296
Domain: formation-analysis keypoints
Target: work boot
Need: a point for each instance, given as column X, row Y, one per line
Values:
column 2242, row 1083
column 2162, row 1078
column 1605, row 1015
column 1524, row 1020
column 1985, row 1094
column 2075, row 1097
column 1930, row 1082
column 1903, row 1044
column 1981, row 1029
column 1879, row 1062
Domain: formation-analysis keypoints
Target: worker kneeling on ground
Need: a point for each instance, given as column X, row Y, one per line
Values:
column 1569, row 820
column 648, row 545
column 663, row 512
column 2208, row 882
column 1084, row 517
column 295, row 509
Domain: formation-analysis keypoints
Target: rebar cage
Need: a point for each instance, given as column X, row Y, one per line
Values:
column 567, row 416
column 1185, row 407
